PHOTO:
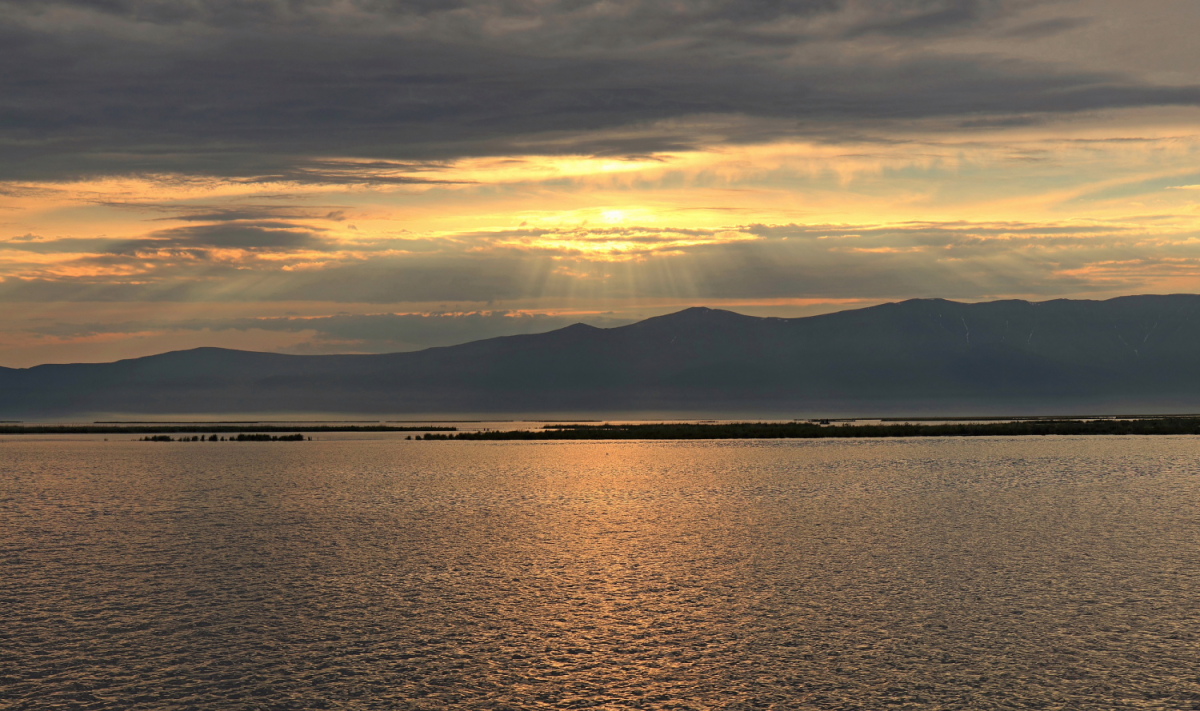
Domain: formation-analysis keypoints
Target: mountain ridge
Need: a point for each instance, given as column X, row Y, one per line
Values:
column 915, row 356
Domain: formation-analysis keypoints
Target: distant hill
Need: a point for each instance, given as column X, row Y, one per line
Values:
column 1130, row 354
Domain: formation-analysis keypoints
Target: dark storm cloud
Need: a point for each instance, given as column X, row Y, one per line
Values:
column 271, row 89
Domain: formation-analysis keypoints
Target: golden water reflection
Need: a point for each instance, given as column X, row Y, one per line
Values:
column 965, row 574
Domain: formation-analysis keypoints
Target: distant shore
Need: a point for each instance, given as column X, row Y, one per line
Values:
column 816, row 430
column 584, row 430
column 215, row 428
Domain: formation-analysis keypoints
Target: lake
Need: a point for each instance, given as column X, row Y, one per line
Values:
column 371, row 572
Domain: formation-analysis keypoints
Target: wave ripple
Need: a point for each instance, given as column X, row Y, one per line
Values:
column 1056, row 573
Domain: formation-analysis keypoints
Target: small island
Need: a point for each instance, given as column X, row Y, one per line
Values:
column 217, row 438
column 207, row 428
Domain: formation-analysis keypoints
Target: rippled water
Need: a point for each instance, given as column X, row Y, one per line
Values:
column 1058, row 573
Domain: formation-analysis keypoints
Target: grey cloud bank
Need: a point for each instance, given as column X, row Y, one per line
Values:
column 270, row 89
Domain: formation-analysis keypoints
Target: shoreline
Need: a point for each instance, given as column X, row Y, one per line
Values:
column 208, row 429
column 810, row 430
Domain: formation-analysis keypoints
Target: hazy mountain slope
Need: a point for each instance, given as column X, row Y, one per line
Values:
column 915, row 356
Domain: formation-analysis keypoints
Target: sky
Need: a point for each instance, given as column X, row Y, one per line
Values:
column 354, row 176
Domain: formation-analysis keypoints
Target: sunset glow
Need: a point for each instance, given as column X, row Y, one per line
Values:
column 867, row 152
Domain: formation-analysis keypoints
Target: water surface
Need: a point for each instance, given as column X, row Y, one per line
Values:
column 379, row 573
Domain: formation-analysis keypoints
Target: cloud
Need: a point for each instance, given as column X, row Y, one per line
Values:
column 269, row 91
column 482, row 19
column 62, row 245
column 923, row 17
column 239, row 235
column 546, row 265
column 236, row 212
column 146, row 272
column 1046, row 28
column 260, row 236
column 520, row 280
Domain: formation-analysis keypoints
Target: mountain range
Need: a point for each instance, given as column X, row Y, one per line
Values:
column 918, row 357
